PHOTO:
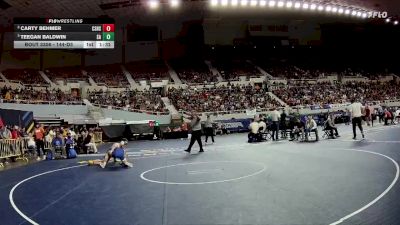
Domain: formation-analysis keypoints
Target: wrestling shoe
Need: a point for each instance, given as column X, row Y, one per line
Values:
column 102, row 165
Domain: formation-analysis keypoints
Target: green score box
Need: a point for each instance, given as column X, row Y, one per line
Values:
column 108, row 36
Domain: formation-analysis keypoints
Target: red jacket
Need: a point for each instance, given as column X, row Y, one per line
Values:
column 14, row 134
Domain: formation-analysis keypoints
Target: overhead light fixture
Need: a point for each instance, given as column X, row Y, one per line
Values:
column 263, row 3
column 354, row 13
column 253, row 3
column 334, row 9
column 272, row 3
column 359, row 14
column 244, row 2
column 305, row 5
column 214, row 2
column 297, row 5
column 320, row 8
column 340, row 11
column 289, row 4
column 153, row 4
column 347, row 12
column 328, row 8
column 387, row 20
column 396, row 22
column 174, row 3
column 234, row 2
column 364, row 15
column 224, row 2
column 313, row 6
column 281, row 4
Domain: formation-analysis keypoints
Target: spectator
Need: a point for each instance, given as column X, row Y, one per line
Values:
column 39, row 139
column 5, row 133
column 311, row 126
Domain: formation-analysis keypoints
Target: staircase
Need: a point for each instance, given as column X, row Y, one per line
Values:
column 4, row 78
column 173, row 74
column 261, row 70
column 129, row 77
column 214, row 71
column 171, row 108
column 272, row 95
column 46, row 78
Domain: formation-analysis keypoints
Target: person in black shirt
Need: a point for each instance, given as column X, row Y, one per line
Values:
column 283, row 124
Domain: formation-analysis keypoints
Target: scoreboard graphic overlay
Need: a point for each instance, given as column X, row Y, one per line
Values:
column 86, row 33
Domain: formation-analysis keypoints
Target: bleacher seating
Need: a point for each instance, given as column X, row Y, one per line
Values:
column 148, row 70
column 149, row 100
column 193, row 72
column 232, row 70
column 65, row 74
column 224, row 98
column 25, row 76
column 109, row 75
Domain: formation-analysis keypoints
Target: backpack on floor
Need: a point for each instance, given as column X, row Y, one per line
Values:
column 49, row 155
column 72, row 153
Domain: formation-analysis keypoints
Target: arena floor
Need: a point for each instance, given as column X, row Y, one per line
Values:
column 279, row 183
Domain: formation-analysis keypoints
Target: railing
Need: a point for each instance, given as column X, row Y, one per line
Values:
column 131, row 110
column 98, row 137
column 38, row 102
column 12, row 148
column 237, row 111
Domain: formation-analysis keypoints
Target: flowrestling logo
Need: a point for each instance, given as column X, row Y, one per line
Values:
column 375, row 14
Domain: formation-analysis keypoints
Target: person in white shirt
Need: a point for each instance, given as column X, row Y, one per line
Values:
column 262, row 126
column 208, row 130
column 311, row 126
column 397, row 115
column 275, row 117
column 356, row 110
column 254, row 127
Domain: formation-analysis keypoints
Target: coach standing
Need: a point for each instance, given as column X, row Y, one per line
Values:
column 275, row 116
column 195, row 125
column 356, row 109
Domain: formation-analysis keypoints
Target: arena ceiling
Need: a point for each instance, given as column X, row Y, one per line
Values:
column 124, row 8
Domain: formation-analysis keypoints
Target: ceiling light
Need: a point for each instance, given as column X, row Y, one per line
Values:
column 272, row 3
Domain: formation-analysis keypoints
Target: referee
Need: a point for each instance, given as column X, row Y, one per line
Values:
column 356, row 109
column 195, row 126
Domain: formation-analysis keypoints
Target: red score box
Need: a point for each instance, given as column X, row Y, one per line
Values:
column 108, row 27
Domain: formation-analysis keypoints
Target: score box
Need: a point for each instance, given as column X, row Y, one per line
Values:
column 108, row 28
column 108, row 36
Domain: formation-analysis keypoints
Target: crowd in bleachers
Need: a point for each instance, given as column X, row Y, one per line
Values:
column 36, row 96
column 306, row 94
column 233, row 70
column 64, row 74
column 110, row 75
column 148, row 70
column 223, row 98
column 149, row 100
column 25, row 76
column 193, row 72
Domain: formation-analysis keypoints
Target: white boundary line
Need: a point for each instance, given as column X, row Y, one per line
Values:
column 377, row 198
column 208, row 182
column 10, row 196
column 333, row 223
